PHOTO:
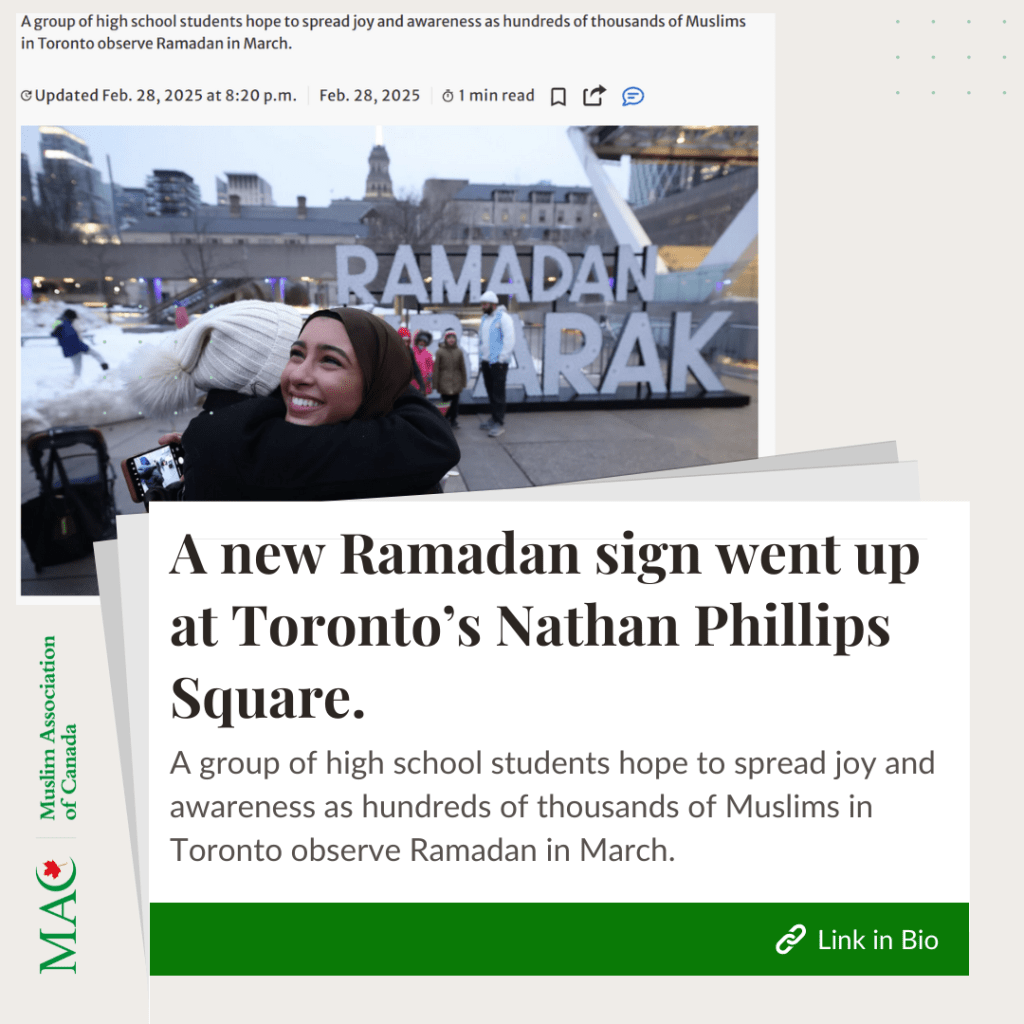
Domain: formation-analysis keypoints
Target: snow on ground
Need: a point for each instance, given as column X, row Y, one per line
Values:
column 50, row 395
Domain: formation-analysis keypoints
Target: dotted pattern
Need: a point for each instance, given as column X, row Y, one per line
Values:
column 949, row 56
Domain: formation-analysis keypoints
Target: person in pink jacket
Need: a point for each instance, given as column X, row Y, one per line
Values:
column 424, row 360
column 417, row 377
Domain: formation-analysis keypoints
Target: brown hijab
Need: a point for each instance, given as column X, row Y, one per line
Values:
column 383, row 357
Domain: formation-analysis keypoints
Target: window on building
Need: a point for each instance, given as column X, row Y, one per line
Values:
column 504, row 216
column 486, row 215
column 522, row 218
column 542, row 217
column 504, row 195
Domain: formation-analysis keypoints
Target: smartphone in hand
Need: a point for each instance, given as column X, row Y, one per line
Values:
column 159, row 467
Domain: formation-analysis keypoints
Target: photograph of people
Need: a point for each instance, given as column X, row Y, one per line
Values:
column 601, row 283
column 342, row 422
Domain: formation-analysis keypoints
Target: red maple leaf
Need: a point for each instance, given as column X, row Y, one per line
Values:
column 52, row 869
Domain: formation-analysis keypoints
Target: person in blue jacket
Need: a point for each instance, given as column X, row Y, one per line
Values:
column 497, row 341
column 71, row 344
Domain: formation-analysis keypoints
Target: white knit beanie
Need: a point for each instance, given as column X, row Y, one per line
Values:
column 242, row 346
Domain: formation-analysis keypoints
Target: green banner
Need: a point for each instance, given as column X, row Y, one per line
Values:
column 558, row 938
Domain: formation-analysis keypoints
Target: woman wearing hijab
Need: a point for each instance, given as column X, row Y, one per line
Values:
column 342, row 422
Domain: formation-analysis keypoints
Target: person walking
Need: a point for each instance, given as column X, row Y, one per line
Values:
column 450, row 374
column 71, row 344
column 424, row 360
column 497, row 340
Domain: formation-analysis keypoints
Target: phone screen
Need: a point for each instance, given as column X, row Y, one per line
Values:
column 157, row 468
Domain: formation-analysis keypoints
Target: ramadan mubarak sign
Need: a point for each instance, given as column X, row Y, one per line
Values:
column 553, row 277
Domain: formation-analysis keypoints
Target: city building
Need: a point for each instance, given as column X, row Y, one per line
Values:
column 171, row 194
column 250, row 188
column 129, row 204
column 651, row 182
column 70, row 185
column 378, row 181
column 337, row 224
column 351, row 210
column 28, row 199
column 515, row 213
column 698, row 216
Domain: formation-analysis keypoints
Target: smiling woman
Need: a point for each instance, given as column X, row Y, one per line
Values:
column 322, row 381
column 352, row 363
column 342, row 424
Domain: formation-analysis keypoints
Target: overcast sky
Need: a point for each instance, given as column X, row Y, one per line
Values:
column 330, row 163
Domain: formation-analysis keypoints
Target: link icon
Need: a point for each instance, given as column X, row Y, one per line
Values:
column 790, row 939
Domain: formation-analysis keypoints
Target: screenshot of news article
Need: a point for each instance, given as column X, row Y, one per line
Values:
column 589, row 295
column 337, row 693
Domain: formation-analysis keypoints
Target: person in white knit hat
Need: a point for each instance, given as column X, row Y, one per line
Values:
column 240, row 347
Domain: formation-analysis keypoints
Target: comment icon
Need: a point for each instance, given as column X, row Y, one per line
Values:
column 632, row 96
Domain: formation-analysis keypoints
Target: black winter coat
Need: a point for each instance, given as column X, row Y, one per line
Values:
column 241, row 449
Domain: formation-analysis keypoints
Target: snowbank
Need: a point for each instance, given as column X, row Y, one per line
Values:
column 50, row 395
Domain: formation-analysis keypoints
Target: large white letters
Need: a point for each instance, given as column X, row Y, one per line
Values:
column 590, row 278
column 686, row 352
column 443, row 279
column 404, row 260
column 636, row 333
column 355, row 283
column 570, row 365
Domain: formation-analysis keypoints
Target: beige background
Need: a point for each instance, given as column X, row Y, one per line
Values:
column 898, row 228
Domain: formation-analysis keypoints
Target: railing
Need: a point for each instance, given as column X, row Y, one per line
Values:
column 200, row 295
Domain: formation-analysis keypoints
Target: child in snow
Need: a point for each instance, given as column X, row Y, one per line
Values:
column 71, row 344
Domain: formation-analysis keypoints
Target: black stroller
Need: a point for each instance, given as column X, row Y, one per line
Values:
column 71, row 511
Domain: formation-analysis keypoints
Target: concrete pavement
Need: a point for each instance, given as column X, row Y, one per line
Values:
column 540, row 448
